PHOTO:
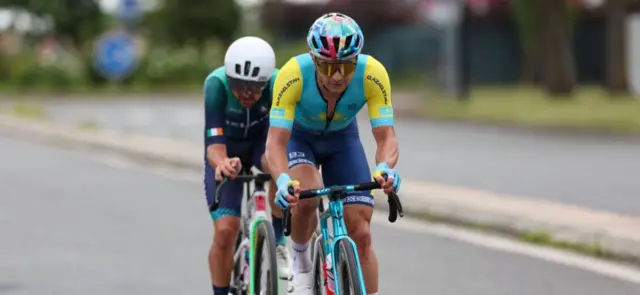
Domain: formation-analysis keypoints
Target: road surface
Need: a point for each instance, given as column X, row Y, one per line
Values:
column 81, row 222
column 589, row 171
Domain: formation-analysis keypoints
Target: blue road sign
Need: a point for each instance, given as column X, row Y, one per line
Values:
column 128, row 10
column 116, row 55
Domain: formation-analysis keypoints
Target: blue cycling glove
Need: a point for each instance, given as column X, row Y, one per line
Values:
column 384, row 168
column 283, row 182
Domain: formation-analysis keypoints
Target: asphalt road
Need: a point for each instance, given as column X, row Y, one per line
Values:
column 590, row 171
column 77, row 222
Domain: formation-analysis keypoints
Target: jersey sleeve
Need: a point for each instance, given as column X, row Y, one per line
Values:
column 287, row 90
column 377, row 89
column 214, row 102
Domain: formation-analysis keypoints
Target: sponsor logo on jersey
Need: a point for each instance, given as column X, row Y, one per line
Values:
column 284, row 89
column 382, row 89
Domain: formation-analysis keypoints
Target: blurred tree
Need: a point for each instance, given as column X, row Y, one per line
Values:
column 181, row 22
column 535, row 32
column 616, row 75
column 558, row 65
column 286, row 19
column 78, row 20
column 524, row 12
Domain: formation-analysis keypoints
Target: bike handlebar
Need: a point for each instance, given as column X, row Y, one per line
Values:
column 395, row 207
column 244, row 178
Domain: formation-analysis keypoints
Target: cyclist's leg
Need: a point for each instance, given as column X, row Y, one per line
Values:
column 226, row 226
column 304, row 220
column 348, row 165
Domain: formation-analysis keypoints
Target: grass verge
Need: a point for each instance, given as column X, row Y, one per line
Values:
column 88, row 125
column 588, row 109
column 538, row 236
column 28, row 111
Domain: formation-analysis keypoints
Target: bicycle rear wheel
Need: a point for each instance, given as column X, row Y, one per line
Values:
column 348, row 279
column 264, row 236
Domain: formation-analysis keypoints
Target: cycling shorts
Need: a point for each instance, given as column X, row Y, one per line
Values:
column 250, row 151
column 339, row 153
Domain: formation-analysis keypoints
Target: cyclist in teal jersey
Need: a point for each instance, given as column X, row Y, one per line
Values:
column 237, row 102
column 317, row 96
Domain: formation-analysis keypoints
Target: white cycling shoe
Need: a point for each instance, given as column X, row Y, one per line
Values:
column 302, row 284
column 284, row 262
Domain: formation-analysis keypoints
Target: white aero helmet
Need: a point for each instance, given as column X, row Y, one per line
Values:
column 250, row 59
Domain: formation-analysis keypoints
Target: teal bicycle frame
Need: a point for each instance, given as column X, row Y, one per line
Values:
column 336, row 213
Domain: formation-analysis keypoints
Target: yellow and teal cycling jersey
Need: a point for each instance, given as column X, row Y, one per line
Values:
column 296, row 96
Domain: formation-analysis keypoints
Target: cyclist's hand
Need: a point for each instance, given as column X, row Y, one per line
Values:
column 283, row 198
column 229, row 167
column 392, row 183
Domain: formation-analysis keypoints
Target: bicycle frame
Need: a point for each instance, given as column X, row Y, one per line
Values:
column 329, row 242
column 336, row 195
column 256, row 213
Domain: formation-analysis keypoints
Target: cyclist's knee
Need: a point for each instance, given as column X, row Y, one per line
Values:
column 307, row 175
column 225, row 232
column 358, row 219
column 309, row 178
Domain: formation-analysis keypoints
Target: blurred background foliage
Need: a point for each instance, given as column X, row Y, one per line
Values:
column 557, row 45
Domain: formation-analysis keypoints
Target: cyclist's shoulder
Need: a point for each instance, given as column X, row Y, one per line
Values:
column 217, row 75
column 376, row 79
column 215, row 86
column 372, row 66
column 287, row 85
column 294, row 66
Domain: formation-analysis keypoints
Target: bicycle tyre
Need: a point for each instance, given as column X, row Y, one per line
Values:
column 347, row 266
column 236, row 283
column 312, row 246
column 318, row 269
column 264, row 234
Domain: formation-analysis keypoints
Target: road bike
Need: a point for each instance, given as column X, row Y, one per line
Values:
column 256, row 232
column 339, row 249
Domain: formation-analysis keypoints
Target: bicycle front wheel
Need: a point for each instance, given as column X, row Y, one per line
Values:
column 264, row 246
column 348, row 279
column 318, row 266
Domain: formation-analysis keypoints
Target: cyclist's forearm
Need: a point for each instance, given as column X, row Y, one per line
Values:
column 387, row 151
column 216, row 153
column 276, row 153
column 277, row 157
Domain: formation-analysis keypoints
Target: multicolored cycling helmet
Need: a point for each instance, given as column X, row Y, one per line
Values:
column 335, row 36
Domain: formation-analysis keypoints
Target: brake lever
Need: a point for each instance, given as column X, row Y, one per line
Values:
column 216, row 199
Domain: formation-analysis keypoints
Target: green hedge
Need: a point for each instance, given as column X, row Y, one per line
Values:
column 158, row 68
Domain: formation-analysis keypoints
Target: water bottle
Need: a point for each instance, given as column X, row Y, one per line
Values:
column 330, row 286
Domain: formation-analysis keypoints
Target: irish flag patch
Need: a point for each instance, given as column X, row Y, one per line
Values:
column 214, row 132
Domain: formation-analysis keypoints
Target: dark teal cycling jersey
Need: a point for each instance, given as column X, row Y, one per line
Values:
column 226, row 118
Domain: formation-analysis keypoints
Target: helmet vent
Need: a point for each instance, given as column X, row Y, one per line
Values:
column 325, row 43
column 336, row 42
column 348, row 40
column 240, row 71
column 255, row 72
column 247, row 67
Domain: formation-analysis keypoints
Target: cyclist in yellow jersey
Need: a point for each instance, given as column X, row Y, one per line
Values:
column 316, row 98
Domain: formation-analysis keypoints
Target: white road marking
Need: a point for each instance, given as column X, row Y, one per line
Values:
column 590, row 264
